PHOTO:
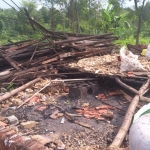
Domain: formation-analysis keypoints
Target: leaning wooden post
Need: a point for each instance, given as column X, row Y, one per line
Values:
column 15, row 91
column 127, row 120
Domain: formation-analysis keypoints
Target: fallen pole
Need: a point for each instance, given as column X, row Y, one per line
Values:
column 21, row 88
column 127, row 120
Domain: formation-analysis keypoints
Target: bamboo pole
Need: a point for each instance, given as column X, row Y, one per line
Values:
column 127, row 120
column 80, row 39
column 15, row 91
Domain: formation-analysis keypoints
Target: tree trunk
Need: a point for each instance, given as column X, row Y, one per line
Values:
column 95, row 21
column 71, row 16
column 139, row 11
column 52, row 17
column 62, row 7
column 138, row 30
column 78, row 17
column 89, row 16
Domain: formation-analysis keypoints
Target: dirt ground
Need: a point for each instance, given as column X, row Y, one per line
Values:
column 74, row 136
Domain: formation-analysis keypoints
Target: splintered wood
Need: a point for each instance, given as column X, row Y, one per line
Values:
column 105, row 65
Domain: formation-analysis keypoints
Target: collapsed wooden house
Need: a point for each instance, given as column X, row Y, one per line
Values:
column 61, row 55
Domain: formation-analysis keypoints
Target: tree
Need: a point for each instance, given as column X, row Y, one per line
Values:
column 1, row 25
column 50, row 4
column 139, row 5
column 145, row 29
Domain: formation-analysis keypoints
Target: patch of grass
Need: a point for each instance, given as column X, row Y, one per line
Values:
column 131, row 40
column 10, row 87
column 123, row 42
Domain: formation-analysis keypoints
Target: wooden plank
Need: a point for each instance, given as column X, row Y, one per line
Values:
column 82, row 38
column 11, row 62
column 24, row 45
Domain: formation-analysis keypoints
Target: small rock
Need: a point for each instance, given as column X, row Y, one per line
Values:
column 62, row 120
column 28, row 124
column 13, row 108
column 60, row 144
column 109, row 140
column 43, row 98
column 3, row 90
column 108, row 114
column 17, row 101
column 97, row 71
column 51, row 145
column 85, row 104
column 54, row 114
column 29, row 90
column 13, row 120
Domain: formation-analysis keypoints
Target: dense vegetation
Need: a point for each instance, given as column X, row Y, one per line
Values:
column 78, row 16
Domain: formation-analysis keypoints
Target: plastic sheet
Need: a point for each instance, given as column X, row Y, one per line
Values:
column 129, row 61
column 139, row 136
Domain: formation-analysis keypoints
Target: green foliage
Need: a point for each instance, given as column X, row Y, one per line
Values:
column 10, row 87
column 80, row 16
column 1, row 25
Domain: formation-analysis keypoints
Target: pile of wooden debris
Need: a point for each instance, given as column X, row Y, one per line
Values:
column 34, row 108
column 27, row 60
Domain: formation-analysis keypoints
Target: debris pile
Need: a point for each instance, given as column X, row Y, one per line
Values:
column 26, row 60
column 38, row 107
column 45, row 113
